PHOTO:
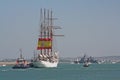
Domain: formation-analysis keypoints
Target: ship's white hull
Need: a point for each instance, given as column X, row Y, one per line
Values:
column 45, row 64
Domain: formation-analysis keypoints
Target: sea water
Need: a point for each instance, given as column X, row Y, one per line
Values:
column 63, row 72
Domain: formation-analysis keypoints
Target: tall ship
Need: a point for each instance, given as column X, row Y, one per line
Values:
column 47, row 55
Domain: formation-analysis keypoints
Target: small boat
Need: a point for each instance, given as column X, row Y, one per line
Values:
column 86, row 64
column 76, row 61
column 4, row 65
column 21, row 63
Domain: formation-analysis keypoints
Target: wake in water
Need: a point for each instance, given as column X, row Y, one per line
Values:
column 8, row 68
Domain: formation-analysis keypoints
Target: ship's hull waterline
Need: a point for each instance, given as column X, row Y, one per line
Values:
column 45, row 64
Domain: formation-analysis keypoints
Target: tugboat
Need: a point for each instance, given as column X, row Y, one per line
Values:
column 21, row 63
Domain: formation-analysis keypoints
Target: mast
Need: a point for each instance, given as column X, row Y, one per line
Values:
column 21, row 54
column 51, row 32
column 48, row 33
column 45, row 42
column 44, row 28
column 41, row 26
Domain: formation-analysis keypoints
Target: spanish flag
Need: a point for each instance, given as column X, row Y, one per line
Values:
column 44, row 43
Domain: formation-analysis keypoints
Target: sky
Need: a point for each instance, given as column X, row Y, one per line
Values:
column 91, row 27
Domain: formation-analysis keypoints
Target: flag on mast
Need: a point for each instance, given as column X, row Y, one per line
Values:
column 44, row 43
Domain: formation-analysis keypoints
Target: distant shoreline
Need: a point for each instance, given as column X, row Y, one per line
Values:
column 7, row 63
